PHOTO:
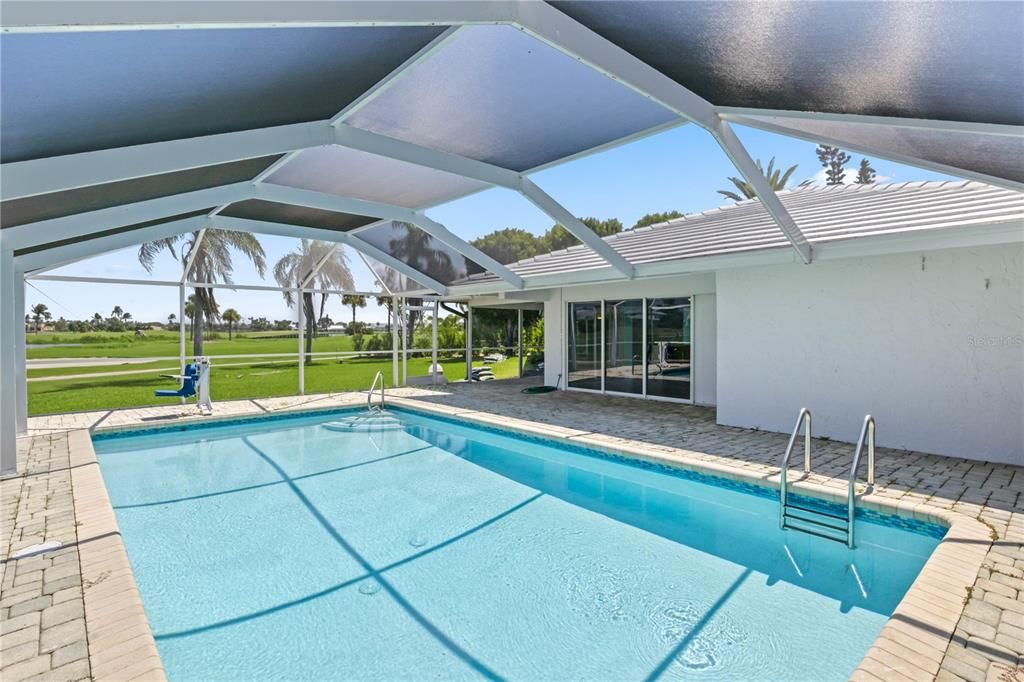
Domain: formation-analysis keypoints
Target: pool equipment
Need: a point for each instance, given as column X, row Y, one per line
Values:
column 195, row 381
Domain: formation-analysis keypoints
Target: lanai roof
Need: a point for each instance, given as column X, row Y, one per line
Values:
column 123, row 122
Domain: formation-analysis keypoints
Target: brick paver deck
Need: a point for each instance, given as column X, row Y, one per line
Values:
column 959, row 622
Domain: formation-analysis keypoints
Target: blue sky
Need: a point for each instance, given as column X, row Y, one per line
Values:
column 679, row 169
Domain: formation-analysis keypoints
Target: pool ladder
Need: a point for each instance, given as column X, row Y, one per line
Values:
column 369, row 396
column 819, row 521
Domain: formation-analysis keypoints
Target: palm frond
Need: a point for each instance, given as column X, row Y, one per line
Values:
column 150, row 250
column 730, row 195
column 785, row 178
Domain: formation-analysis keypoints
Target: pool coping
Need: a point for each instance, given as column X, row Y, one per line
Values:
column 910, row 646
column 118, row 634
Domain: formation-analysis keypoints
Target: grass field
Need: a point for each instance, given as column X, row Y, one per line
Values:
column 226, row 382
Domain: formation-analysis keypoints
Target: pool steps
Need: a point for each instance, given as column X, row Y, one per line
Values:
column 377, row 420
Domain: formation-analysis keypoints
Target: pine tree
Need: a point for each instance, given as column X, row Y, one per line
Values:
column 866, row 174
column 833, row 159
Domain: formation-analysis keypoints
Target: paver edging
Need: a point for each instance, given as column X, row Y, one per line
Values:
column 104, row 561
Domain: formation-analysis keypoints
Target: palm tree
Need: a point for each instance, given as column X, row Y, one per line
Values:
column 295, row 268
column 416, row 248
column 40, row 313
column 190, row 315
column 230, row 316
column 117, row 312
column 212, row 263
column 776, row 180
column 386, row 302
column 355, row 301
column 171, row 319
column 97, row 320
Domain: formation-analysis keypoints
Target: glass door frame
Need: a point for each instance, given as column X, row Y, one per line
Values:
column 643, row 395
column 565, row 346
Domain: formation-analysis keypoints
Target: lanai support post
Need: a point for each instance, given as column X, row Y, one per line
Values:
column 181, row 329
column 519, row 340
column 405, row 345
column 433, row 346
column 20, row 360
column 9, row 318
column 468, row 333
column 300, row 306
column 394, row 341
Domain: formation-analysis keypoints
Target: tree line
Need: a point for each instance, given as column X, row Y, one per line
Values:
column 39, row 315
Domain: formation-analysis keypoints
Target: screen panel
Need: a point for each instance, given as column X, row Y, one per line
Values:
column 113, row 231
column 961, row 61
column 413, row 246
column 69, row 92
column 96, row 197
column 996, row 155
column 496, row 94
column 273, row 212
column 360, row 175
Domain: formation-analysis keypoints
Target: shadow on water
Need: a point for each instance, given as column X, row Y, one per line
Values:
column 369, row 571
column 257, row 486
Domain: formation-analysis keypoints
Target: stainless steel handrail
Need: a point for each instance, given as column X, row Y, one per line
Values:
column 867, row 432
column 805, row 415
column 369, row 396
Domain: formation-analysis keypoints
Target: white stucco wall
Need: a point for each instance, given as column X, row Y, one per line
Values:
column 929, row 343
column 705, row 349
column 701, row 286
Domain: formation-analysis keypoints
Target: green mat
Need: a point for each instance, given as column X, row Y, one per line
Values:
column 539, row 389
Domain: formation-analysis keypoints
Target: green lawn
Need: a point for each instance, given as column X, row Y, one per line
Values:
column 226, row 383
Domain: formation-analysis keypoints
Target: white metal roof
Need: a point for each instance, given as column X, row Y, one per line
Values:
column 322, row 119
column 824, row 214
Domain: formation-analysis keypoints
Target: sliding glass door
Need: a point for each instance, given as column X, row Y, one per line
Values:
column 669, row 355
column 584, row 366
column 624, row 346
column 633, row 346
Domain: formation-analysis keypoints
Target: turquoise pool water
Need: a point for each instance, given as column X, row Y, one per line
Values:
column 279, row 549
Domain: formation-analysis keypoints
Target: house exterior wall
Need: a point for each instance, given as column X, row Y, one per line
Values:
column 930, row 343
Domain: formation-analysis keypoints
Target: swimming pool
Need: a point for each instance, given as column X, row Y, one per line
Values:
column 280, row 549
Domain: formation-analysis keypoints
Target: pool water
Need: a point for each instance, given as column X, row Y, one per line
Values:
column 284, row 550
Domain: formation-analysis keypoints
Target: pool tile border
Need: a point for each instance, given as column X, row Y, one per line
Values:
column 911, row 645
column 120, row 641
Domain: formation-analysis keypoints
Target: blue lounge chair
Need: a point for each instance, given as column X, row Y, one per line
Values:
column 188, row 383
